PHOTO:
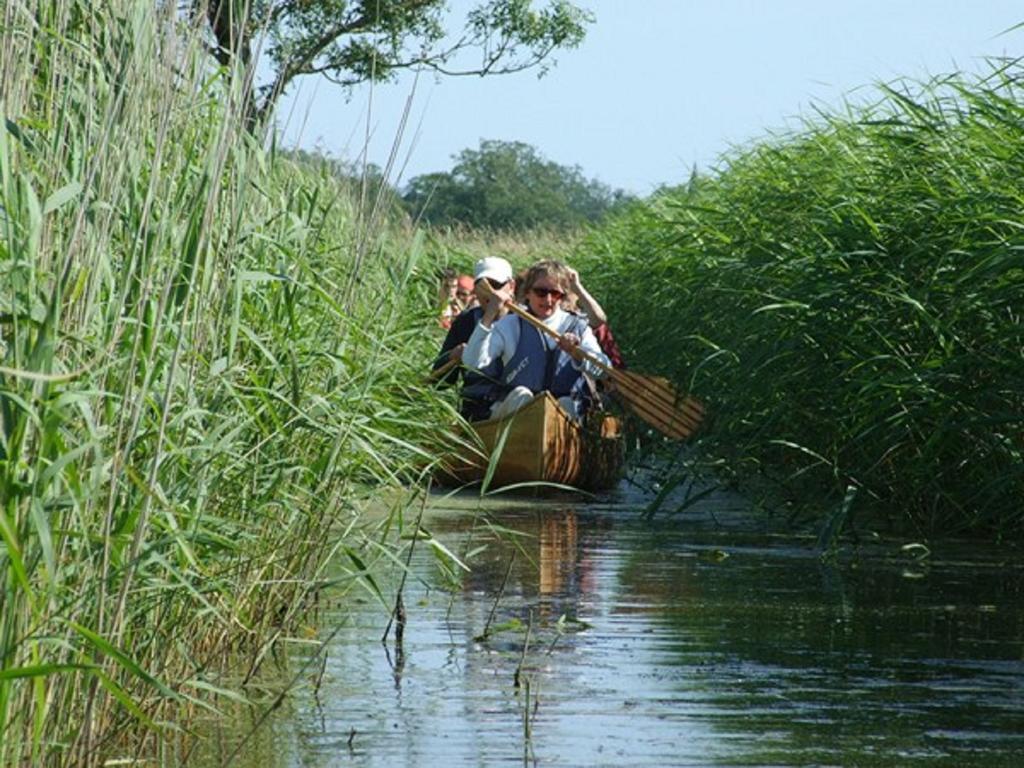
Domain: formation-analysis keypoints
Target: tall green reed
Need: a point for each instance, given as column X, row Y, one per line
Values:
column 847, row 298
column 188, row 409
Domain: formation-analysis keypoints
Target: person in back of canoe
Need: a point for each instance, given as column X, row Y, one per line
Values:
column 462, row 297
column 579, row 299
column 532, row 362
column 446, row 295
column 464, row 294
column 479, row 386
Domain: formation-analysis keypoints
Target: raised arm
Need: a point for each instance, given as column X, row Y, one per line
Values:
column 490, row 339
column 594, row 312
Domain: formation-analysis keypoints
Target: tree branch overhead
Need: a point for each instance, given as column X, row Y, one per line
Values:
column 356, row 41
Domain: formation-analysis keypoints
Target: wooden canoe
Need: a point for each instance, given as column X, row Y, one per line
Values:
column 541, row 443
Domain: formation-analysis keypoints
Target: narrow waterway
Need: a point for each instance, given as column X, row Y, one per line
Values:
column 583, row 636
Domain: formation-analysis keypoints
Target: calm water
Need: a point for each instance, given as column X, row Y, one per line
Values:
column 702, row 642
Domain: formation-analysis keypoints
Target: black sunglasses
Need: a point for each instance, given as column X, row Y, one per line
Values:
column 543, row 292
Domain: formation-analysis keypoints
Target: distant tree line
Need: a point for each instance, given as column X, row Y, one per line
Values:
column 501, row 186
column 508, row 185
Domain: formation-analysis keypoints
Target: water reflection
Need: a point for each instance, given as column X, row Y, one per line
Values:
column 675, row 645
column 560, row 566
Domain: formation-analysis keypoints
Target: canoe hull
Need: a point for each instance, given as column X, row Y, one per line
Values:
column 541, row 443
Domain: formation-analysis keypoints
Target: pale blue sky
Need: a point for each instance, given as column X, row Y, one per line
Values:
column 661, row 85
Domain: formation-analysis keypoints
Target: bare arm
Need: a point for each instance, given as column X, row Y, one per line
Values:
column 587, row 302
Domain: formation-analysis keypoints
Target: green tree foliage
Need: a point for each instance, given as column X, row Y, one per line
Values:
column 355, row 41
column 507, row 186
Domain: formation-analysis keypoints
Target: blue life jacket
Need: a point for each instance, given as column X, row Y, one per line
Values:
column 539, row 364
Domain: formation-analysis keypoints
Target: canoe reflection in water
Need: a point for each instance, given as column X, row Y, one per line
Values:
column 545, row 567
column 562, row 569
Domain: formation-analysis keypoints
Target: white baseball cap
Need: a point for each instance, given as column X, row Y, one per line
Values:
column 493, row 268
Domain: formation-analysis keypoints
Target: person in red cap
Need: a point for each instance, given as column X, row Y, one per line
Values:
column 464, row 292
column 462, row 297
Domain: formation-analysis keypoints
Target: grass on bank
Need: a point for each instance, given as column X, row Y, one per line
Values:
column 460, row 248
column 206, row 360
column 848, row 301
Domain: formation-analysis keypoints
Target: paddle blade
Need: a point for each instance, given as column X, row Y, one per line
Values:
column 657, row 402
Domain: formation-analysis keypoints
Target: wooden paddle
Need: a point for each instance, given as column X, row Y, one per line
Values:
column 440, row 373
column 652, row 398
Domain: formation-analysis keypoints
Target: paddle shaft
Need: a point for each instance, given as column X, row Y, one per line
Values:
column 655, row 401
column 554, row 334
column 439, row 373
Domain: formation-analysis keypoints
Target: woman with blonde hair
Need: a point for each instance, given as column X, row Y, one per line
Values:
column 532, row 362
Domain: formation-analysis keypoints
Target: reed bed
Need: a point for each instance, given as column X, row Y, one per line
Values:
column 847, row 299
column 461, row 247
column 208, row 366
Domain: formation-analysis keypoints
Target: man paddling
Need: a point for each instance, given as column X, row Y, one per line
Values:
column 478, row 387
